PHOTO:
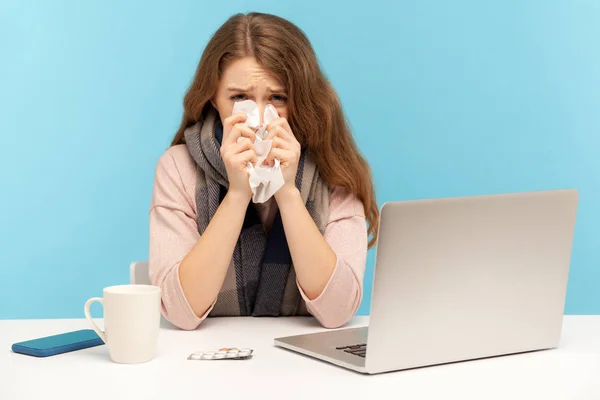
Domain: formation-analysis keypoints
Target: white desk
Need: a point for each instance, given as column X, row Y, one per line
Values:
column 570, row 372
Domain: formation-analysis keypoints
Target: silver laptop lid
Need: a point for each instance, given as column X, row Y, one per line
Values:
column 464, row 278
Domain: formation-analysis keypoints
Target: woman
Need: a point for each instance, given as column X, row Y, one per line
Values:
column 302, row 252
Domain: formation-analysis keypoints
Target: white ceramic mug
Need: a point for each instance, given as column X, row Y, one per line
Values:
column 131, row 322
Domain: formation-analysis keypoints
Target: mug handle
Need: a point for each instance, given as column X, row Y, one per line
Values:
column 86, row 310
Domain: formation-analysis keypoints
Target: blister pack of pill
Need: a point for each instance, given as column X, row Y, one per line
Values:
column 224, row 353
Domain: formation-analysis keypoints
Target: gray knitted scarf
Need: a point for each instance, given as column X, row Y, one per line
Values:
column 261, row 279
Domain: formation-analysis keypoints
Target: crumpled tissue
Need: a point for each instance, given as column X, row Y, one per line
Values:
column 264, row 180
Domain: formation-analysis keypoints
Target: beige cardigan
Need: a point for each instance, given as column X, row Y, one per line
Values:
column 173, row 232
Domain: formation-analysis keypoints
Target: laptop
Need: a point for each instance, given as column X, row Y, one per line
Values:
column 459, row 279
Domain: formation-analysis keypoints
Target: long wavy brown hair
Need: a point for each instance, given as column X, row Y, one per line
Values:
column 315, row 113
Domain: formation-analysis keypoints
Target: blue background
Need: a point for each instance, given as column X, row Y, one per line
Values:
column 445, row 98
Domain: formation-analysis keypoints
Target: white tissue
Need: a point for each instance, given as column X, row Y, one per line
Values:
column 264, row 180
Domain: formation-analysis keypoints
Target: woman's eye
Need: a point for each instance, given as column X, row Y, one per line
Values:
column 238, row 97
column 277, row 98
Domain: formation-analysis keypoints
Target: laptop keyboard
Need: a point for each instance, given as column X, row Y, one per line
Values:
column 356, row 349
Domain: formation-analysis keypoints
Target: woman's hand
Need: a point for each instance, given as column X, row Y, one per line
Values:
column 236, row 153
column 286, row 148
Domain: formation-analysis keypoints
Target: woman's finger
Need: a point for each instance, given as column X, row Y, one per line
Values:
column 239, row 132
column 245, row 157
column 280, row 143
column 282, row 122
column 279, row 131
column 272, row 132
column 245, row 132
column 243, row 145
column 233, row 119
column 280, row 154
column 228, row 125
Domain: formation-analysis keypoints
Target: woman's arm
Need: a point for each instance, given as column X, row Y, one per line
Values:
column 313, row 258
column 190, row 268
column 329, row 267
column 204, row 268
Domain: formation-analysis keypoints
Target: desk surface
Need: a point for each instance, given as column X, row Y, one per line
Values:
column 570, row 372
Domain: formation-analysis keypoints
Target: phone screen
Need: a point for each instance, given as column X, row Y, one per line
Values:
column 62, row 339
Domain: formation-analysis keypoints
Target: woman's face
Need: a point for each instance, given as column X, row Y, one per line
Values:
column 245, row 79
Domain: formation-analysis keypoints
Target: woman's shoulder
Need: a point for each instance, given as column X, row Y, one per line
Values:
column 344, row 204
column 177, row 161
column 176, row 172
column 176, row 156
